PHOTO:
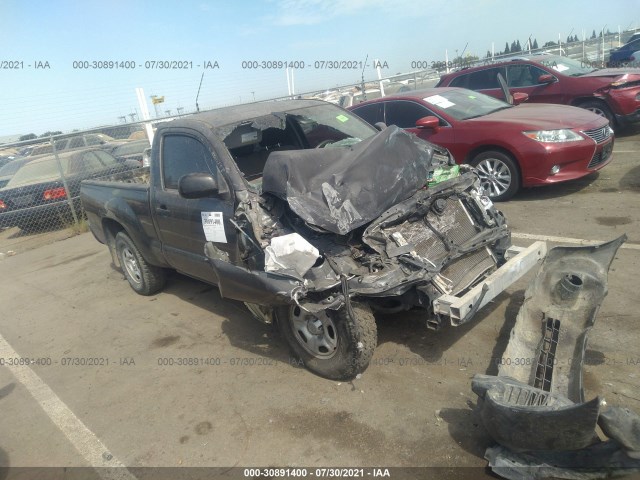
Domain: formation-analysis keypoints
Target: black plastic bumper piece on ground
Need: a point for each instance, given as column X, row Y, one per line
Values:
column 535, row 407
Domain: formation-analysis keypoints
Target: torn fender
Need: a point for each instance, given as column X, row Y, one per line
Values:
column 254, row 286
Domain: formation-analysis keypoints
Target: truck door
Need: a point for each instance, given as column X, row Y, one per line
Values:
column 179, row 221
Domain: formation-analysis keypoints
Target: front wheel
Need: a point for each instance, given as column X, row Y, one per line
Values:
column 332, row 344
column 599, row 108
column 144, row 278
column 499, row 174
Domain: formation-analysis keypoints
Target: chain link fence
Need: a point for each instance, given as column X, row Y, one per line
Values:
column 592, row 53
column 40, row 180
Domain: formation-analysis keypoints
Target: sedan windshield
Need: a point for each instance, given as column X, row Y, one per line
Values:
column 463, row 104
column 11, row 167
column 564, row 65
column 38, row 171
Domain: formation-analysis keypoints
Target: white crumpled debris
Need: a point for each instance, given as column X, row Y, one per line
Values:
column 290, row 253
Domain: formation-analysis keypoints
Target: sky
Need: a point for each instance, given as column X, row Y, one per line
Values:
column 63, row 36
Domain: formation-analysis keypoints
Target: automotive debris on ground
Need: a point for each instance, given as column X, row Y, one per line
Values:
column 536, row 411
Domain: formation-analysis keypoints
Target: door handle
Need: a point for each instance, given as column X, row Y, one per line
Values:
column 162, row 210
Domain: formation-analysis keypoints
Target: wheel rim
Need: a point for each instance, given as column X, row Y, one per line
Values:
column 317, row 334
column 495, row 176
column 131, row 265
column 598, row 111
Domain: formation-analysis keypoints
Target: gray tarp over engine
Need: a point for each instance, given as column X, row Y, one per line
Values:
column 343, row 188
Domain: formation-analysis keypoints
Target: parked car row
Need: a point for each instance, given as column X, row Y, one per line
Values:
column 612, row 93
column 79, row 141
column 122, row 150
column 36, row 194
column 515, row 144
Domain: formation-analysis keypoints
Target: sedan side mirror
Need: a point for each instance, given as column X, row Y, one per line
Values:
column 380, row 126
column 520, row 97
column 197, row 185
column 428, row 122
column 546, row 78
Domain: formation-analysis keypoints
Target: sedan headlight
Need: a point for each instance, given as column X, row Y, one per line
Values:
column 554, row 136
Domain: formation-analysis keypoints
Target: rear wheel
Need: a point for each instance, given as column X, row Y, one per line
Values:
column 332, row 344
column 144, row 278
column 599, row 108
column 498, row 174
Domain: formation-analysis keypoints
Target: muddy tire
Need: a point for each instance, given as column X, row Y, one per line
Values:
column 331, row 344
column 145, row 279
column 499, row 174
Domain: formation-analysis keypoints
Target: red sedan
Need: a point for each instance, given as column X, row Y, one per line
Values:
column 612, row 92
column 511, row 145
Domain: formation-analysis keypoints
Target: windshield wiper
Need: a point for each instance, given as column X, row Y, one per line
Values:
column 584, row 73
column 488, row 113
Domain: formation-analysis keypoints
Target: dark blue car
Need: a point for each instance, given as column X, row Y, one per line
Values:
column 620, row 57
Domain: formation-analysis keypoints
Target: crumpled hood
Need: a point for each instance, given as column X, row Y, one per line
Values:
column 342, row 188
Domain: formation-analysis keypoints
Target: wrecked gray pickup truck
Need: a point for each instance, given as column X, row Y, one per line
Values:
column 314, row 219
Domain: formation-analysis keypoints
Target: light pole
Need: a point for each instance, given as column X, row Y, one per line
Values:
column 603, row 45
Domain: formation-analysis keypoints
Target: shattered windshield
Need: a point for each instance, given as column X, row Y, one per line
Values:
column 318, row 126
column 325, row 124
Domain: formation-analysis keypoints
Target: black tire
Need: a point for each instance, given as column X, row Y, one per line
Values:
column 498, row 173
column 600, row 108
column 145, row 279
column 354, row 339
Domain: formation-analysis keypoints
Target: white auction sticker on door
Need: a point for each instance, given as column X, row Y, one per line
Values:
column 213, row 226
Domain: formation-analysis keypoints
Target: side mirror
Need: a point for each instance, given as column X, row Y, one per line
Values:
column 546, row 78
column 520, row 97
column 197, row 185
column 428, row 122
column 380, row 126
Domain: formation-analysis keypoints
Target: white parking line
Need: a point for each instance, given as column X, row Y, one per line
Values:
column 578, row 241
column 626, row 151
column 83, row 439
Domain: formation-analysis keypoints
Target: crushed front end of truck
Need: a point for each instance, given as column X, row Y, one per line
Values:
column 387, row 224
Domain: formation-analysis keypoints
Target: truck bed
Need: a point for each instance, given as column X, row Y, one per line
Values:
column 117, row 197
